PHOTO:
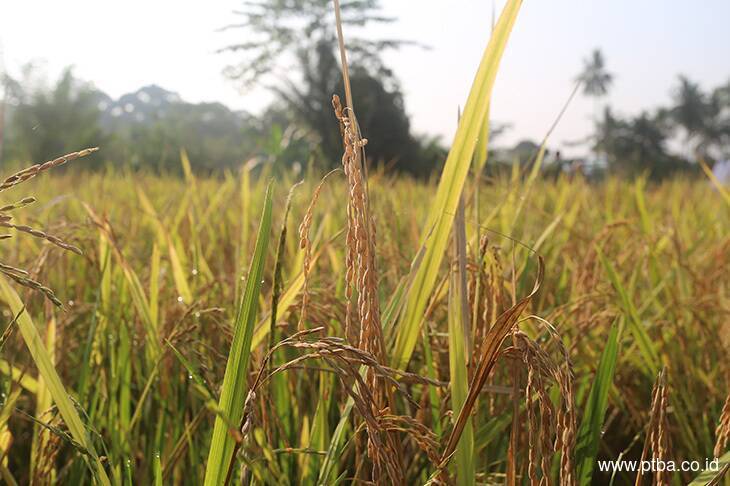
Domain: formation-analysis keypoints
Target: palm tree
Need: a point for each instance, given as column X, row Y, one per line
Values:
column 596, row 82
column 691, row 110
column 718, row 129
column 704, row 118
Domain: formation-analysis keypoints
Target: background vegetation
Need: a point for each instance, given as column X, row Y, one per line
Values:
column 290, row 49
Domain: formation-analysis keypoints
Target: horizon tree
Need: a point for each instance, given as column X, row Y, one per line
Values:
column 595, row 78
column 704, row 117
column 48, row 120
column 718, row 131
column 300, row 35
column 690, row 111
column 596, row 82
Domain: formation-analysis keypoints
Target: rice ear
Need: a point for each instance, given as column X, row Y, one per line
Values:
column 32, row 171
column 19, row 276
column 722, row 433
column 488, row 354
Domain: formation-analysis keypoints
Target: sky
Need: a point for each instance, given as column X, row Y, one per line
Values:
column 121, row 46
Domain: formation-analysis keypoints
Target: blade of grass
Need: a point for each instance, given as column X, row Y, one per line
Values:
column 139, row 298
column 52, row 381
column 44, row 401
column 17, row 375
column 233, row 391
column 334, row 451
column 193, row 372
column 433, row 396
column 715, row 182
column 178, row 275
column 157, row 465
column 442, row 212
column 589, row 432
column 459, row 338
column 710, row 477
column 155, row 284
column 644, row 342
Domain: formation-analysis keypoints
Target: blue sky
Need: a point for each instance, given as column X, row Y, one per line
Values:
column 121, row 46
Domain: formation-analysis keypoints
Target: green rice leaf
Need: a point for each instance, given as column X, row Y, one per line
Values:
column 441, row 215
column 464, row 456
column 234, row 390
column 51, row 380
column 712, row 477
column 589, row 432
column 646, row 346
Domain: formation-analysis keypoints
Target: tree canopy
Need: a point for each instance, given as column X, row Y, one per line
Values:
column 301, row 34
column 52, row 120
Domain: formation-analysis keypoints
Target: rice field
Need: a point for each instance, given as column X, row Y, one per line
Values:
column 635, row 281
column 356, row 327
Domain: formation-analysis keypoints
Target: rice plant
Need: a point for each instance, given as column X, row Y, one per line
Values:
column 466, row 331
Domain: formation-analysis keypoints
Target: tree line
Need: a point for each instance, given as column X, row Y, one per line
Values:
column 148, row 128
column 697, row 121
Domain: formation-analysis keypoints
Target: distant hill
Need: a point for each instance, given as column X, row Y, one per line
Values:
column 159, row 122
column 151, row 104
